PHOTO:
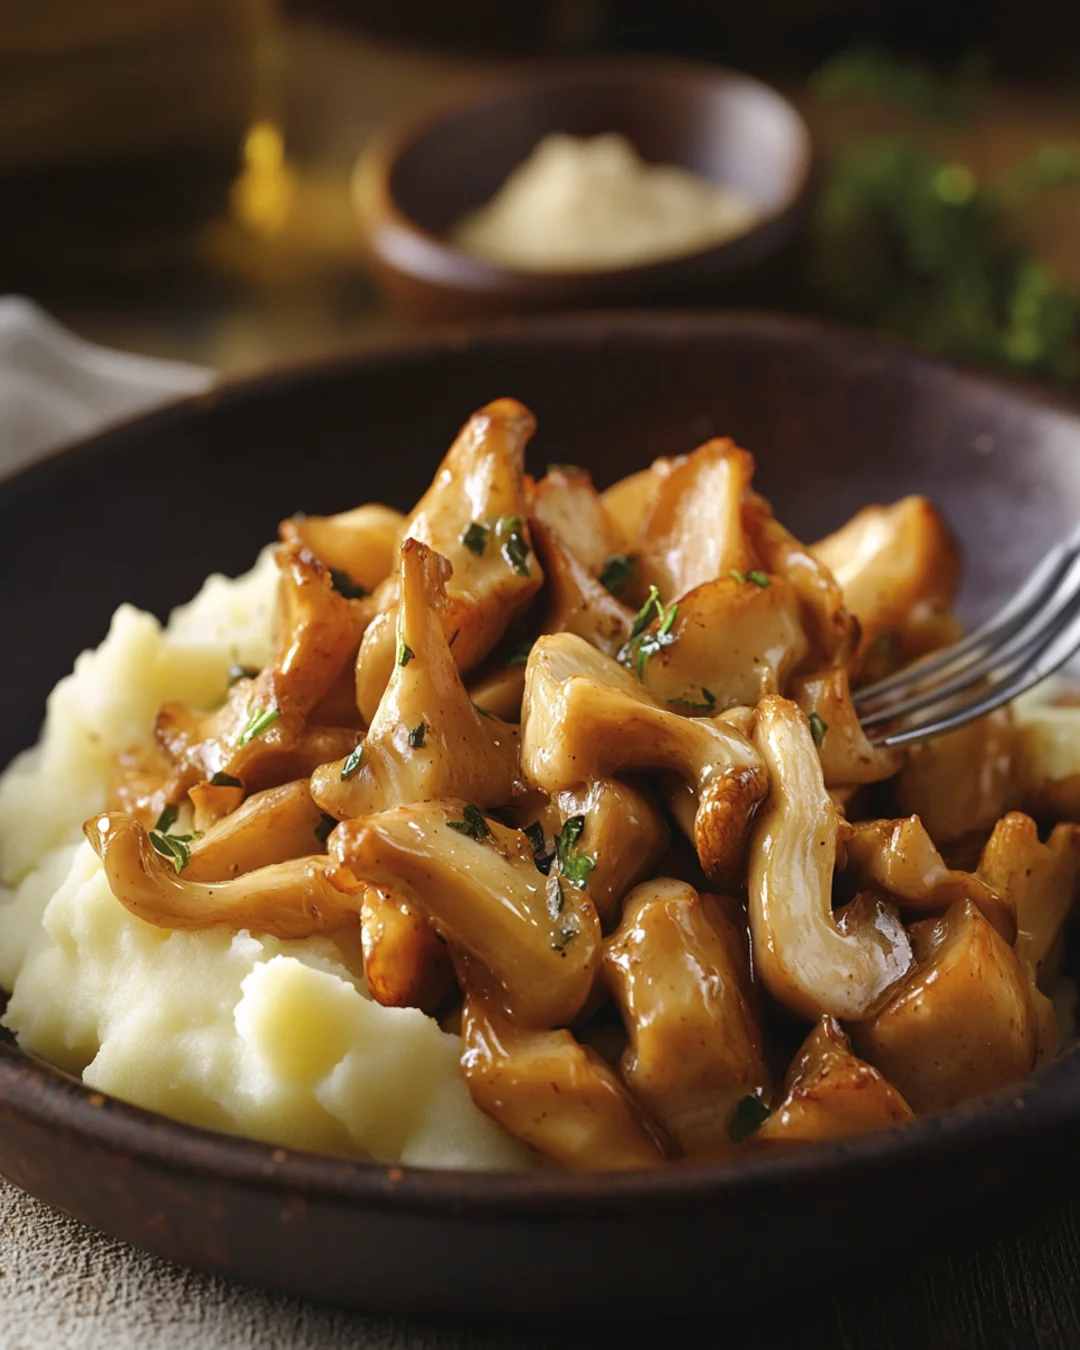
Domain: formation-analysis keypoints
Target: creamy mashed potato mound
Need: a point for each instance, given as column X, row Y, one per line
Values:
column 271, row 1039
column 583, row 205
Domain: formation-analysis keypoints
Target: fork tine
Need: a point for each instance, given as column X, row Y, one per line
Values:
column 1064, row 642
column 1019, row 650
column 996, row 630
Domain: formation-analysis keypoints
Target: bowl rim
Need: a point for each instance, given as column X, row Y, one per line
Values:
column 386, row 223
column 48, row 1097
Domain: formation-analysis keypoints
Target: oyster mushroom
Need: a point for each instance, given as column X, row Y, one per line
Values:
column 812, row 960
column 832, row 630
column 829, row 1093
column 693, row 531
column 473, row 514
column 961, row 1023
column 1042, row 882
column 290, row 899
column 679, row 970
column 555, row 1095
column 270, row 827
column 567, row 505
column 961, row 782
column 898, row 568
column 762, row 642
column 528, row 941
column 629, row 501
column 577, row 602
column 622, row 837
column 261, row 734
column 847, row 757
column 405, row 964
column 585, row 717
column 427, row 738
column 899, row 857
column 361, row 544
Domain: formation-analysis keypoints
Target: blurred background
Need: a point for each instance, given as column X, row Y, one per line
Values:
column 175, row 174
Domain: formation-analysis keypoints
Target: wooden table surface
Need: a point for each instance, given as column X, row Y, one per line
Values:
column 297, row 292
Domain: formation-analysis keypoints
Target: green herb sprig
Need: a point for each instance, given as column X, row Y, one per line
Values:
column 473, row 824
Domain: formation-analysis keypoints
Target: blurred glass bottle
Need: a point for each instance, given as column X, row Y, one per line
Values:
column 121, row 130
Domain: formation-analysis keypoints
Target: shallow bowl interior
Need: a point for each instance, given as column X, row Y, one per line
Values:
column 144, row 512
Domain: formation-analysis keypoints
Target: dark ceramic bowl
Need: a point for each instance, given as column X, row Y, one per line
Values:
column 836, row 420
column 414, row 182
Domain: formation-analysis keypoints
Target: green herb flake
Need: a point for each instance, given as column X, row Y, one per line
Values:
column 574, row 865
column 749, row 1115
column 652, row 608
column 404, row 654
column 818, row 728
column 344, row 585
column 225, row 780
column 516, row 551
column 167, row 819
column 259, row 722
column 736, row 575
column 239, row 672
column 325, row 827
column 543, row 857
column 416, row 736
column 759, row 579
column 484, row 712
column 520, row 655
column 175, row 847
column 705, row 704
column 618, row 572
column 507, row 525
column 475, row 538
column 473, row 824
column 352, row 763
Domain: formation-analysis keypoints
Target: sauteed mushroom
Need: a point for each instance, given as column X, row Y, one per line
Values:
column 808, row 958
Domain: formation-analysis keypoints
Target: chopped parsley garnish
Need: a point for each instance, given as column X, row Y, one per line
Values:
column 520, row 655
column 555, row 898
column 352, row 763
column 514, row 548
column 344, row 585
column 749, row 1115
column 574, row 865
column 239, row 672
column 475, row 538
column 757, row 577
column 617, row 573
column 175, row 847
column 543, row 857
column 706, row 704
column 259, row 722
column 652, row 608
column 167, row 819
column 641, row 646
column 404, row 654
column 325, row 827
column 818, row 728
column 225, row 780
column 474, row 824
column 416, row 736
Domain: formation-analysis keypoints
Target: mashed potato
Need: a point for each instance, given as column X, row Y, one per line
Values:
column 271, row 1039
column 582, row 205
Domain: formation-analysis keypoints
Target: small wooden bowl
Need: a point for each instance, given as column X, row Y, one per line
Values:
column 416, row 180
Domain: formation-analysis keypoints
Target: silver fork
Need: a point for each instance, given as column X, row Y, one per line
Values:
column 1030, row 637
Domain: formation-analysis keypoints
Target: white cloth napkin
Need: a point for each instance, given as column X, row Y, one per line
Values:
column 56, row 388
